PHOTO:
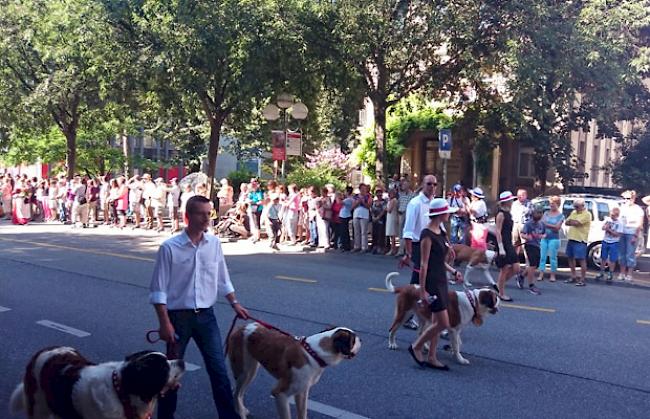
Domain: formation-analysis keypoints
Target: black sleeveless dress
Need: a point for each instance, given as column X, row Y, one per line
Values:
column 506, row 235
column 436, row 281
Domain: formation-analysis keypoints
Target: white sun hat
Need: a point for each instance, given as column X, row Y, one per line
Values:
column 477, row 192
column 439, row 206
column 506, row 196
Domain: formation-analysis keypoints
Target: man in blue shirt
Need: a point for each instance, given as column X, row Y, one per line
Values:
column 189, row 274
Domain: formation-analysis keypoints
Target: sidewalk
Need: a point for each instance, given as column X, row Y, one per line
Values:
column 149, row 240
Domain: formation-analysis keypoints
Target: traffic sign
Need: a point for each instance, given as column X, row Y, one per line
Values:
column 444, row 143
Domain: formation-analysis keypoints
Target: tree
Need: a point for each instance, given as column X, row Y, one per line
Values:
column 53, row 67
column 571, row 63
column 215, row 60
column 632, row 170
column 399, row 47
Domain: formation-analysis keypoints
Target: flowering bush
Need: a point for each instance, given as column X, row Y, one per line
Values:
column 333, row 158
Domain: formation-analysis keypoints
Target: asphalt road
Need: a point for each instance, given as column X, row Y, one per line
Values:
column 570, row 353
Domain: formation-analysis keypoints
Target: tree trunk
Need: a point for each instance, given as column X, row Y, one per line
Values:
column 71, row 151
column 126, row 150
column 381, row 168
column 213, row 149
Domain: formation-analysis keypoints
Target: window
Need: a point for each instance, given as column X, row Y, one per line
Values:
column 526, row 164
column 603, row 210
column 567, row 207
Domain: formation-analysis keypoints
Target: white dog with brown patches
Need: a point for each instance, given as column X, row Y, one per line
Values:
column 60, row 383
column 297, row 364
column 465, row 307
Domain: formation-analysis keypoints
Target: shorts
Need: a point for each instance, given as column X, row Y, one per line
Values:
column 533, row 255
column 576, row 250
column 157, row 211
column 135, row 207
column 441, row 293
column 609, row 251
column 510, row 258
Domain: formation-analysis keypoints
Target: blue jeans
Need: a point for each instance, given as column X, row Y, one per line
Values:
column 458, row 230
column 549, row 247
column 203, row 328
column 313, row 233
column 626, row 250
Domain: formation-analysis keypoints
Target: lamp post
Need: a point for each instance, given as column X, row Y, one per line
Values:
column 285, row 106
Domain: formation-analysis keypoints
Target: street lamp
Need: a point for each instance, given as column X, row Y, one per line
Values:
column 285, row 106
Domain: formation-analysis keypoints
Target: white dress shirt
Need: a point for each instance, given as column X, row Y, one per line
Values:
column 417, row 217
column 186, row 276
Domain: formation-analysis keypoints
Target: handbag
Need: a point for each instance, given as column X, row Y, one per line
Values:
column 82, row 200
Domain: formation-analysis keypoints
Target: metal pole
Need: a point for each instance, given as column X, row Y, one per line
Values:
column 444, row 178
column 286, row 115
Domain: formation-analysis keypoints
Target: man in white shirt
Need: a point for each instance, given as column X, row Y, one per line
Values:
column 417, row 218
column 189, row 274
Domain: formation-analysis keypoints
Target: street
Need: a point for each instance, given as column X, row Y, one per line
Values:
column 570, row 353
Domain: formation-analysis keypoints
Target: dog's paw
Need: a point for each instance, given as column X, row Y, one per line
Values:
column 461, row 360
column 392, row 346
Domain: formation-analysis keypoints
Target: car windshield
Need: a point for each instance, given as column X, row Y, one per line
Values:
column 567, row 207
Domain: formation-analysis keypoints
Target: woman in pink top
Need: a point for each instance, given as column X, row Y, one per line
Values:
column 122, row 204
column 7, row 192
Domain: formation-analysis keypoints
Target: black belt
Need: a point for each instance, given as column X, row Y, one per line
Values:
column 191, row 310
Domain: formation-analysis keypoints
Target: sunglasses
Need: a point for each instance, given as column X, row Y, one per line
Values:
column 432, row 184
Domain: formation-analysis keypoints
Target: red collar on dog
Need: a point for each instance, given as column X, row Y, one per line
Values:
column 312, row 352
column 472, row 302
column 129, row 411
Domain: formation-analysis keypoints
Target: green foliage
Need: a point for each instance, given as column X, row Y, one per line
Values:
column 238, row 177
column 318, row 176
column 631, row 171
column 407, row 116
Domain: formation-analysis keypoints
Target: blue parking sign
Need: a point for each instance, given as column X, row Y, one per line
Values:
column 444, row 139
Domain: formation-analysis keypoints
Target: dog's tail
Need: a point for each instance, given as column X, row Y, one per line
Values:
column 17, row 403
column 389, row 281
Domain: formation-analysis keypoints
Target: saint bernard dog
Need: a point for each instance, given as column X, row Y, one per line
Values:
column 464, row 307
column 297, row 363
column 475, row 259
column 60, row 383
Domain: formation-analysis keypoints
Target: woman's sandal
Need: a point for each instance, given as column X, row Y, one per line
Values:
column 435, row 367
column 415, row 358
column 505, row 298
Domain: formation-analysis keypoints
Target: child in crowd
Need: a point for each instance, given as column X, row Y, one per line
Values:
column 274, row 219
column 533, row 233
column 613, row 228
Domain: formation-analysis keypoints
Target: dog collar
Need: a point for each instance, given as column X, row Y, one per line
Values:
column 312, row 352
column 129, row 411
column 472, row 302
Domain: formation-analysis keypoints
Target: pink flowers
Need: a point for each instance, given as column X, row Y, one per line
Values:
column 333, row 158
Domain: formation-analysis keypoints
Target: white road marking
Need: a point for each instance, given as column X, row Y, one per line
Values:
column 331, row 411
column 189, row 367
column 3, row 309
column 63, row 328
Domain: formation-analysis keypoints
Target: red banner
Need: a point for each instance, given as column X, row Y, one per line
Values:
column 278, row 144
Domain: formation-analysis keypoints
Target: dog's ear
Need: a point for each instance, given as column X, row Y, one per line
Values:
column 487, row 298
column 145, row 374
column 343, row 341
column 136, row 355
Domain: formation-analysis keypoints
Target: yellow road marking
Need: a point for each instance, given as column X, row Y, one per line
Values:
column 378, row 289
column 531, row 308
column 643, row 322
column 291, row 278
column 91, row 251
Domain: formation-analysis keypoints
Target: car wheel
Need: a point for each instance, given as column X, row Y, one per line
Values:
column 593, row 255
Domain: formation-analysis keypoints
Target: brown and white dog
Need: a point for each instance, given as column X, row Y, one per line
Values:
column 297, row 364
column 475, row 259
column 464, row 308
column 60, row 383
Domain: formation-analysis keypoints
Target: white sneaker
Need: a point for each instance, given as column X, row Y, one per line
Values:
column 621, row 277
column 628, row 278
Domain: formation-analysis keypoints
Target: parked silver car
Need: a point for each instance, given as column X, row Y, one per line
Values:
column 598, row 206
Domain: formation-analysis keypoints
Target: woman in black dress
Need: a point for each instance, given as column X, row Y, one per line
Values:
column 434, row 247
column 507, row 260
